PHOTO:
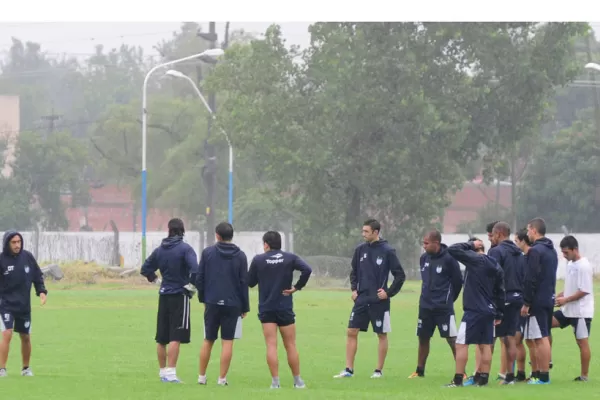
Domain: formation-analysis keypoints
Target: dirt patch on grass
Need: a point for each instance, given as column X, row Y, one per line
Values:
column 78, row 274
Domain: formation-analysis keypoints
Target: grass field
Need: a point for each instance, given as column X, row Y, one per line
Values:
column 96, row 342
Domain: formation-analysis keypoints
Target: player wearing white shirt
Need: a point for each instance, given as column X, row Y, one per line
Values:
column 577, row 300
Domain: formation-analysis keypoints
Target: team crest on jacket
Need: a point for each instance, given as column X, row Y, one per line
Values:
column 379, row 260
column 438, row 269
column 27, row 269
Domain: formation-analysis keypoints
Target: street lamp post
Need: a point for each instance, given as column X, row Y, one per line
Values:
column 206, row 53
column 178, row 74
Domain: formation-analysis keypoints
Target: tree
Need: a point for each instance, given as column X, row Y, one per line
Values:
column 562, row 182
column 519, row 66
column 44, row 169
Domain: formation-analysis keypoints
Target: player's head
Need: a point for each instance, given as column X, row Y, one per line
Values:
column 224, row 232
column 271, row 241
column 370, row 230
column 488, row 228
column 432, row 242
column 522, row 240
column 13, row 242
column 570, row 248
column 536, row 229
column 176, row 227
column 500, row 232
column 478, row 245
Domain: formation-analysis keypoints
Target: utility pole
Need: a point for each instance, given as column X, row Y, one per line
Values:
column 210, row 159
column 50, row 118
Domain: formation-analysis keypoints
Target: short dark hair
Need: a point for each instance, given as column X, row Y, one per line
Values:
column 539, row 225
column 225, row 231
column 489, row 227
column 176, row 227
column 374, row 224
column 569, row 242
column 435, row 236
column 273, row 239
column 522, row 236
column 502, row 227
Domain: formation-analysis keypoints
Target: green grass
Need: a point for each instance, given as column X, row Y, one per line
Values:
column 96, row 342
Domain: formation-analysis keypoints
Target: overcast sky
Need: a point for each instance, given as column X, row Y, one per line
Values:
column 79, row 38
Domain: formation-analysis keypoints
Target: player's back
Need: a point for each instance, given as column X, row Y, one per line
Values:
column 273, row 271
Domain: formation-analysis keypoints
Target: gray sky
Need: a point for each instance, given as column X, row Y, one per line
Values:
column 79, row 38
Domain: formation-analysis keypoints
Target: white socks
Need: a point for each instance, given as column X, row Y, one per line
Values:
column 202, row 379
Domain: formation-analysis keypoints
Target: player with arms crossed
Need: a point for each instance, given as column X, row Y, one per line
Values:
column 577, row 301
column 18, row 271
column 177, row 262
column 539, row 299
column 441, row 284
column 273, row 273
column 372, row 263
column 483, row 305
column 222, row 284
column 512, row 261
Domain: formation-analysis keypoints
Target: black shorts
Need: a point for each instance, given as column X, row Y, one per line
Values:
column 511, row 321
column 581, row 326
column 538, row 324
column 280, row 317
column 227, row 319
column 173, row 320
column 20, row 323
column 476, row 328
column 378, row 314
column 443, row 319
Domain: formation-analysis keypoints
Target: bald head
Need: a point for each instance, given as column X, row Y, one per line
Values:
column 434, row 236
column 500, row 232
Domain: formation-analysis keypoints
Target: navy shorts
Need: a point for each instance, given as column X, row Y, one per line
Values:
column 510, row 324
column 581, row 326
column 538, row 323
column 476, row 328
column 279, row 317
column 20, row 323
column 173, row 319
column 443, row 319
column 227, row 319
column 377, row 314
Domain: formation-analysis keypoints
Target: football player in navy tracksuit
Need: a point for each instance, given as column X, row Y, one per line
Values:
column 18, row 271
column 539, row 296
column 512, row 261
column 441, row 283
column 273, row 272
column 222, row 284
column 177, row 263
column 372, row 263
column 483, row 305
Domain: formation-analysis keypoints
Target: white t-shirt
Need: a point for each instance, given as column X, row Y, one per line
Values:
column 580, row 276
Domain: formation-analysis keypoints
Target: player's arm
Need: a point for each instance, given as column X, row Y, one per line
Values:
column 253, row 274
column 456, row 280
column 200, row 276
column 243, row 276
column 38, row 278
column 354, row 272
column 149, row 267
column 305, row 272
column 191, row 263
column 464, row 253
column 499, row 293
column 532, row 276
column 397, row 272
